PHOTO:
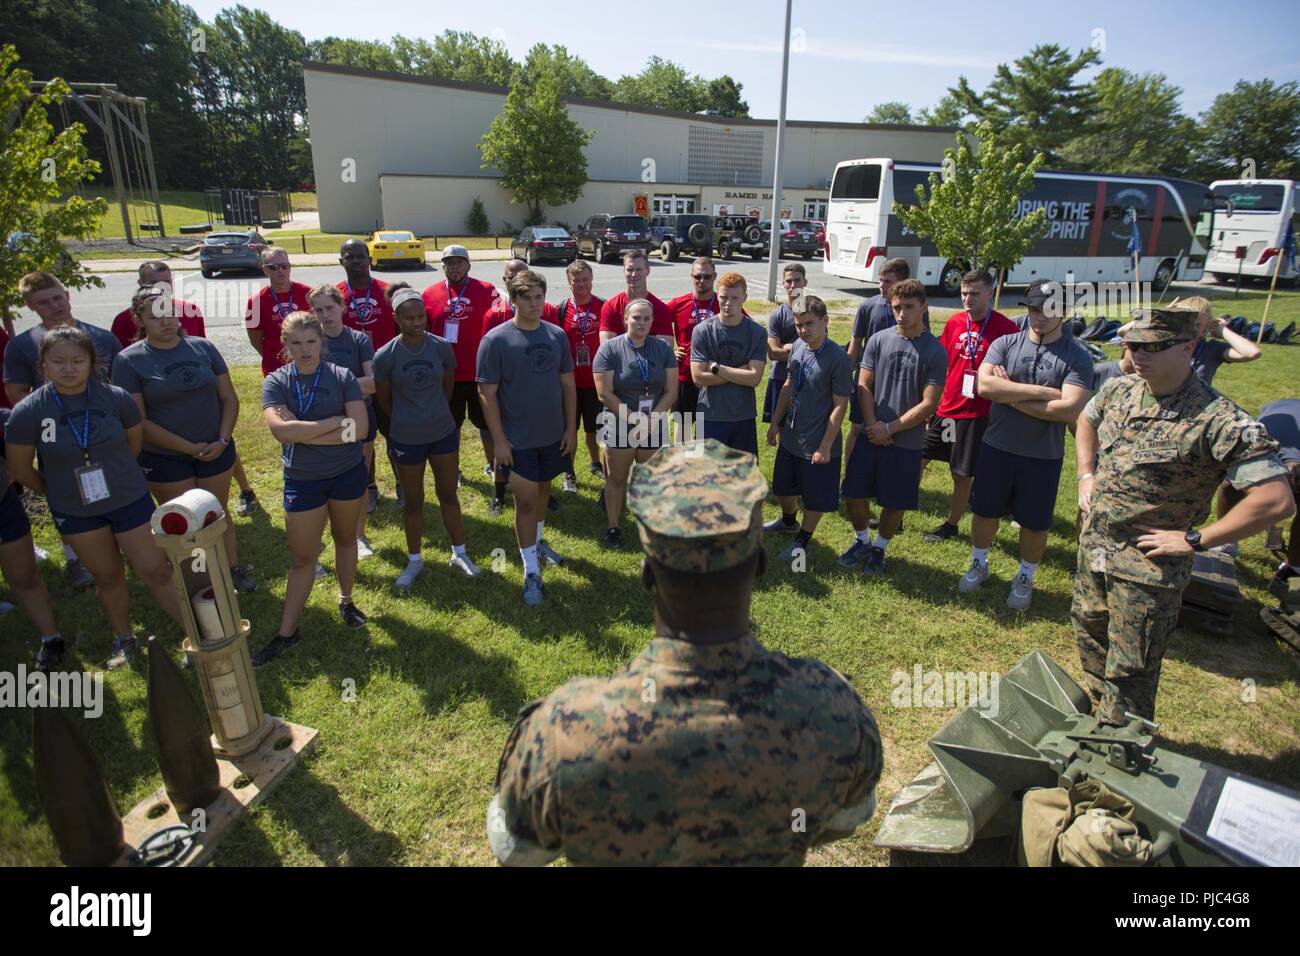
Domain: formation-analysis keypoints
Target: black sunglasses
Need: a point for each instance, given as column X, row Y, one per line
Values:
column 1155, row 346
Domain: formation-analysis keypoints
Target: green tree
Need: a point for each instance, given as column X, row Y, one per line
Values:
column 663, row 85
column 1139, row 127
column 1255, row 121
column 362, row 54
column 574, row 76
column 895, row 112
column 722, row 96
column 947, row 112
column 456, row 55
column 970, row 211
column 1038, row 104
column 477, row 220
column 37, row 170
column 536, row 147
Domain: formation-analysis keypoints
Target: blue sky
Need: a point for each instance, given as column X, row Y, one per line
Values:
column 854, row 54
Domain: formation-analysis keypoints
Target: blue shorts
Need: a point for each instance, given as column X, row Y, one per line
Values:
column 121, row 520
column 890, row 474
column 742, row 435
column 817, row 485
column 540, row 464
column 308, row 495
column 418, row 454
column 14, row 525
column 169, row 468
column 373, row 426
column 770, row 396
column 1016, row 485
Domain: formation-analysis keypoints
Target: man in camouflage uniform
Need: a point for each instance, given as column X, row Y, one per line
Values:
column 707, row 748
column 1163, row 441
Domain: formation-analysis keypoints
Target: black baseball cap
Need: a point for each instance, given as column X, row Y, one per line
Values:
column 1038, row 293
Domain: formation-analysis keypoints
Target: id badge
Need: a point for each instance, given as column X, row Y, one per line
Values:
column 968, row 385
column 583, row 356
column 92, row 483
column 451, row 331
column 645, row 406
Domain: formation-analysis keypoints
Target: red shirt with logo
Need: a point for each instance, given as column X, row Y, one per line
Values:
column 458, row 315
column 368, row 310
column 502, row 312
column 611, row 315
column 689, row 312
column 581, row 326
column 266, row 310
column 967, row 343
column 189, row 314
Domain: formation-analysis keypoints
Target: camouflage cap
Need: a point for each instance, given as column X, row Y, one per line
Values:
column 1162, row 325
column 699, row 506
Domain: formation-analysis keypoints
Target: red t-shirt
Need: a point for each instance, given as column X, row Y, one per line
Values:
column 587, row 331
column 501, row 313
column 965, row 353
column 266, row 310
column 467, row 308
column 189, row 314
column 611, row 315
column 375, row 316
column 687, row 313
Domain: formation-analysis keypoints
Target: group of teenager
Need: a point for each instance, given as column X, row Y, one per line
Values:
column 106, row 424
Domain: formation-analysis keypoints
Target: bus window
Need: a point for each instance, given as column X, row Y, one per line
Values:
column 905, row 183
column 856, row 183
column 1261, row 198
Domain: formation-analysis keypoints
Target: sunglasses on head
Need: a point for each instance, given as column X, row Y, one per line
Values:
column 1155, row 346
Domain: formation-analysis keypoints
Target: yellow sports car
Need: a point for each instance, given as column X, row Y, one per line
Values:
column 395, row 246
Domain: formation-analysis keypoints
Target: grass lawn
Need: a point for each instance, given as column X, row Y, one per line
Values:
column 404, row 773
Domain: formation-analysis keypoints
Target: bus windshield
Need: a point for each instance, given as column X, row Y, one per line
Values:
column 1247, row 198
column 856, row 183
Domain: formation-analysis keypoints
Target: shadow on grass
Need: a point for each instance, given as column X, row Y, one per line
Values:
column 1283, row 769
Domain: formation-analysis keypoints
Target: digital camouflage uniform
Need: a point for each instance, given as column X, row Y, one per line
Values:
column 1160, row 461
column 722, row 753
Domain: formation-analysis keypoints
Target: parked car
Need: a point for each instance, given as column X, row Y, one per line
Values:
column 608, row 235
column 25, row 242
column 395, row 245
column 672, row 235
column 227, row 251
column 739, row 234
column 544, row 244
column 816, row 229
column 795, row 241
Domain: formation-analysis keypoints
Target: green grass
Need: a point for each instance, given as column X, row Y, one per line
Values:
column 404, row 774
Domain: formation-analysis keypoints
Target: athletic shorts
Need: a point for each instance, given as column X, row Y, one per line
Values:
column 1017, row 485
column 169, row 468
column 817, row 485
column 887, row 473
column 300, row 495
column 419, row 453
column 962, row 449
column 464, row 398
column 688, row 396
column 540, row 464
column 770, row 397
column 741, row 435
column 589, row 406
column 14, row 525
column 121, row 520
column 373, row 418
column 656, row 434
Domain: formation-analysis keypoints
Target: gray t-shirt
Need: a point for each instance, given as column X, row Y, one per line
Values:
column 1059, row 363
column 334, row 389
column 637, row 372
column 526, row 368
column 20, row 359
column 875, row 315
column 1209, row 355
column 780, row 325
column 902, row 368
column 5, row 478
column 179, row 386
column 420, row 413
column 349, row 349
column 734, row 346
column 1103, row 372
column 112, row 412
column 818, row 379
column 1282, row 421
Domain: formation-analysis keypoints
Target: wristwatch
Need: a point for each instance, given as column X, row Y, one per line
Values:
column 1194, row 539
column 713, row 368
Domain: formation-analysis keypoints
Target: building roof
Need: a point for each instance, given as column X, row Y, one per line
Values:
column 311, row 65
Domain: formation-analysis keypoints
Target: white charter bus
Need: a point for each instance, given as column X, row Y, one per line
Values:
column 1087, row 237
column 1252, row 213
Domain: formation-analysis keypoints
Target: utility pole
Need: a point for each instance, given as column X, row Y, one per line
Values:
column 774, row 245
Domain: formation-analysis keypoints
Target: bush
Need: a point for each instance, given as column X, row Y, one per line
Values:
column 508, row 228
column 477, row 220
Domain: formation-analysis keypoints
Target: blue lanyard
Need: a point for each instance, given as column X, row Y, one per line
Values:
column 804, row 364
column 82, row 436
column 697, row 309
column 454, row 299
column 642, row 364
column 276, row 299
column 972, row 351
column 303, row 409
column 357, row 299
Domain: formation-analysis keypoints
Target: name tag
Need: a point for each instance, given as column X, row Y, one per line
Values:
column 645, row 405
column 451, row 331
column 582, row 355
column 1155, row 453
column 92, row 483
column 968, row 385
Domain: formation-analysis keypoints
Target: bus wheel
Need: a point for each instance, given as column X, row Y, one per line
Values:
column 950, row 280
column 1164, row 275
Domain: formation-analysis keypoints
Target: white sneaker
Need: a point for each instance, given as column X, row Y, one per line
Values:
column 465, row 565
column 406, row 580
column 363, row 548
column 1021, row 594
column 972, row 579
column 41, row 553
column 570, row 485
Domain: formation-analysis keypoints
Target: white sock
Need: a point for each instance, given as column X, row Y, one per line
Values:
column 530, row 560
column 882, row 542
column 980, row 554
column 46, row 638
column 541, row 526
column 345, row 598
column 864, row 536
column 68, row 553
column 414, row 559
column 458, row 551
column 1027, row 569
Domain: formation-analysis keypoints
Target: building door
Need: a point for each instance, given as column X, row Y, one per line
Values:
column 815, row 209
